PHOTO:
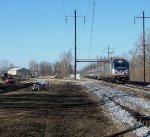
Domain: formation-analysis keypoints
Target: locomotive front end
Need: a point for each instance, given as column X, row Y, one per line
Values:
column 120, row 70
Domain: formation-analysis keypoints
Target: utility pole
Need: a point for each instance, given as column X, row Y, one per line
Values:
column 75, row 53
column 109, row 52
column 143, row 43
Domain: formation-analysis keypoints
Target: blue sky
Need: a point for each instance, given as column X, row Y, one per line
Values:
column 36, row 29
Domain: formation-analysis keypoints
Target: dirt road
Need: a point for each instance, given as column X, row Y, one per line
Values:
column 62, row 110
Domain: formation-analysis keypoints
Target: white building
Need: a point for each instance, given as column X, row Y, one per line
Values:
column 77, row 76
column 19, row 72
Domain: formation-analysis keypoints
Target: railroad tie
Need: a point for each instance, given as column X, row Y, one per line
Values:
column 145, row 121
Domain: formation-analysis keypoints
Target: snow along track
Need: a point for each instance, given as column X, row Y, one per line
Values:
column 123, row 107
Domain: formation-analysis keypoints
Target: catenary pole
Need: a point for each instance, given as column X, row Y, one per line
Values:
column 108, row 52
column 75, row 33
column 75, row 63
column 143, row 44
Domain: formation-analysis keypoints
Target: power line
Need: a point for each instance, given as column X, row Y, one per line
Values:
column 128, row 35
column 91, row 37
column 74, row 4
column 66, row 25
column 88, row 10
column 85, row 22
column 63, row 8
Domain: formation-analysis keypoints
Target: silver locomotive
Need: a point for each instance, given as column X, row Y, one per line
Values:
column 116, row 70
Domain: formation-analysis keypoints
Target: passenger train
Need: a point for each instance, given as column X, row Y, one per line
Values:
column 117, row 70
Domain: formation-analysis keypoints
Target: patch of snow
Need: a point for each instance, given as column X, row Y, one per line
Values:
column 118, row 114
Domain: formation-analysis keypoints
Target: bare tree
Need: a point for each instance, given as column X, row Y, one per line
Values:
column 33, row 67
column 64, row 67
column 45, row 68
column 56, row 68
column 65, row 63
column 136, row 66
column 4, row 64
column 11, row 65
column 137, row 60
column 148, row 55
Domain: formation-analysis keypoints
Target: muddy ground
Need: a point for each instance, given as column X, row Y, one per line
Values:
column 63, row 109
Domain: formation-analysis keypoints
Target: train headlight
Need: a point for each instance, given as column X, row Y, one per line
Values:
column 126, row 73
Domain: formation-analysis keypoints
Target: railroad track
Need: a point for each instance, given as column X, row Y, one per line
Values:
column 143, row 88
column 137, row 87
column 143, row 119
column 128, row 85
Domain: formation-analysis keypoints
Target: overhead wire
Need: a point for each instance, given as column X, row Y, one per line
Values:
column 86, row 16
column 87, row 12
column 63, row 8
column 92, row 27
column 65, row 19
column 85, row 23
column 92, row 23
column 128, row 36
column 74, row 4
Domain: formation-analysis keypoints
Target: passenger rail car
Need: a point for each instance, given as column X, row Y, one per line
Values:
column 116, row 70
column 93, row 73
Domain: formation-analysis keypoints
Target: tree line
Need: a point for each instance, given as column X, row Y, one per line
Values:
column 61, row 68
column 5, row 64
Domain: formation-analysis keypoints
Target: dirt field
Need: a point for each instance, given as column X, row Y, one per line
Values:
column 62, row 110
